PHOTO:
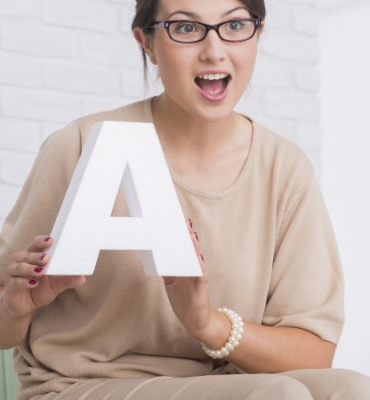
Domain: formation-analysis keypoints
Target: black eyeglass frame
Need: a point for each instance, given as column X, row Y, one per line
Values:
column 216, row 27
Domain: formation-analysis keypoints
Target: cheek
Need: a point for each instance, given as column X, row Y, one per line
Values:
column 174, row 67
column 246, row 60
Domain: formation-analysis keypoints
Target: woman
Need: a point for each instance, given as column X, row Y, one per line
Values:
column 264, row 241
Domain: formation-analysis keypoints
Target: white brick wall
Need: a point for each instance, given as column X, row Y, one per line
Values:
column 60, row 59
column 284, row 91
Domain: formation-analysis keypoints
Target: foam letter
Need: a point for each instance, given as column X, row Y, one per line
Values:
column 128, row 153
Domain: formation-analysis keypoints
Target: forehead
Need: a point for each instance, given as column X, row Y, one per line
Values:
column 203, row 9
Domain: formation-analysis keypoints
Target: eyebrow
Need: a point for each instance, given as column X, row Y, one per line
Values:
column 196, row 16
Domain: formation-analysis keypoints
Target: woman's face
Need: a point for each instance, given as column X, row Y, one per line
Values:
column 181, row 66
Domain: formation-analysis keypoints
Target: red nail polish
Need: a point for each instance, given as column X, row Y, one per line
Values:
column 196, row 236
column 38, row 269
column 42, row 257
column 33, row 282
column 191, row 223
column 47, row 239
column 201, row 256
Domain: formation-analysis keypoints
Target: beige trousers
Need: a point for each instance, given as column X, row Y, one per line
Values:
column 318, row 384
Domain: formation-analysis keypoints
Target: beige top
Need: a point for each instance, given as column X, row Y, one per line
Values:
column 270, row 250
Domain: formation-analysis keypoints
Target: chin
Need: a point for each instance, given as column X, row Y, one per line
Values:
column 215, row 113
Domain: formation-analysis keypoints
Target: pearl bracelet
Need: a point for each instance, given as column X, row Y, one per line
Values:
column 235, row 336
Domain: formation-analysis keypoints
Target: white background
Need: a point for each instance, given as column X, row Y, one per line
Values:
column 345, row 93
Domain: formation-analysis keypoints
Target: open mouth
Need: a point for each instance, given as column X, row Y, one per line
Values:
column 213, row 85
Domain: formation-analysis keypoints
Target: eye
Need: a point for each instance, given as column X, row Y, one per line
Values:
column 235, row 25
column 186, row 27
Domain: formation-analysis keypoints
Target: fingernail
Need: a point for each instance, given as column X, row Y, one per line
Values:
column 47, row 239
column 191, row 223
column 33, row 282
column 42, row 256
column 196, row 236
column 201, row 256
column 38, row 269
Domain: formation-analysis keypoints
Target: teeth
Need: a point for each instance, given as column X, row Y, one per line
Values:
column 213, row 77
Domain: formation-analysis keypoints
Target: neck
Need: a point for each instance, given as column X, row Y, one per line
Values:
column 181, row 132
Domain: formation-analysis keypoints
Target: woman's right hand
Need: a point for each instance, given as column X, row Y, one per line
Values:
column 26, row 287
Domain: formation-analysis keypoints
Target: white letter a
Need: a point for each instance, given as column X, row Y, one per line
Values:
column 128, row 153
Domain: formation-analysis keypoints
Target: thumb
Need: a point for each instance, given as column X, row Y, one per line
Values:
column 64, row 283
column 169, row 280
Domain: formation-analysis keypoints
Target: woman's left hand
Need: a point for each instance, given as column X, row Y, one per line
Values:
column 189, row 295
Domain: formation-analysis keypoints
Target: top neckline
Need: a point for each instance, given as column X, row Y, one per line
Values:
column 239, row 179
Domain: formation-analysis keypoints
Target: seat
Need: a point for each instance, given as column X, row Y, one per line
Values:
column 8, row 378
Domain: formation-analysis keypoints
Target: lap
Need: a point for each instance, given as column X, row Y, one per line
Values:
column 318, row 384
column 324, row 383
column 209, row 387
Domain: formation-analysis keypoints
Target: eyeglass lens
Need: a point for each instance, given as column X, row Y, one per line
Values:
column 188, row 31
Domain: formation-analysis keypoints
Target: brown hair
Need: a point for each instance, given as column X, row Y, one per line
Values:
column 147, row 9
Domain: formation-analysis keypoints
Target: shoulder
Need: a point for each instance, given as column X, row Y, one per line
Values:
column 135, row 112
column 71, row 138
column 282, row 158
column 282, row 151
column 283, row 169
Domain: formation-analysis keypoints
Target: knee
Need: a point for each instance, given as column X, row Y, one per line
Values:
column 352, row 385
column 280, row 387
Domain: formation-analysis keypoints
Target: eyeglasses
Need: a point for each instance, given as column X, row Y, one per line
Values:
column 236, row 30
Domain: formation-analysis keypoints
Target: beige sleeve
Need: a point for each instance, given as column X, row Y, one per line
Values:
column 306, row 289
column 42, row 194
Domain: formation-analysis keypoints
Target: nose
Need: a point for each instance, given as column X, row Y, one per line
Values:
column 213, row 48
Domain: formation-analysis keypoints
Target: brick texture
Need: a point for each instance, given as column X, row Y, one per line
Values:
column 60, row 59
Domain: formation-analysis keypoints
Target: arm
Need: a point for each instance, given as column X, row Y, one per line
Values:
column 27, row 289
column 265, row 349
column 35, row 211
column 13, row 329
column 303, row 315
column 262, row 349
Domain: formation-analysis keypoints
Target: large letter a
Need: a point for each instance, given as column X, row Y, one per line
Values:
column 128, row 153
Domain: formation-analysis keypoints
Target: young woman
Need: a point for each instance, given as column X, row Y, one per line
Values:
column 263, row 237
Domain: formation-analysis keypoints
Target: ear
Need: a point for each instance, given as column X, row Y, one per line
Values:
column 261, row 28
column 145, row 41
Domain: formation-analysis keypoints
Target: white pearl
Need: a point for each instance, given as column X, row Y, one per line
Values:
column 235, row 335
column 229, row 346
column 224, row 352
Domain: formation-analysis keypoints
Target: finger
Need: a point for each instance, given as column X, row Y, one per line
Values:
column 24, row 270
column 202, row 264
column 61, row 283
column 169, row 280
column 40, row 243
column 195, row 240
column 19, row 284
column 31, row 258
column 73, row 281
column 191, row 229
